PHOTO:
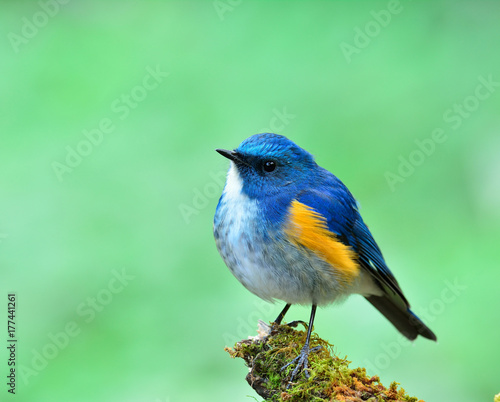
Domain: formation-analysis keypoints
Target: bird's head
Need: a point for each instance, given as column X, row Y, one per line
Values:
column 264, row 165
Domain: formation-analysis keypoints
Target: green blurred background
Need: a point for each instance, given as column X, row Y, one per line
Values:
column 356, row 84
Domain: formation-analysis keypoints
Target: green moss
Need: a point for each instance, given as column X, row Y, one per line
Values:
column 331, row 379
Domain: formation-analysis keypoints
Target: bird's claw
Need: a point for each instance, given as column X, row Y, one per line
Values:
column 302, row 362
column 293, row 324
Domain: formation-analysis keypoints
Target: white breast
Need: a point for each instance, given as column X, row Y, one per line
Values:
column 239, row 238
column 237, row 205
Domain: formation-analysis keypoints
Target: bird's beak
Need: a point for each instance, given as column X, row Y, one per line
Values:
column 231, row 155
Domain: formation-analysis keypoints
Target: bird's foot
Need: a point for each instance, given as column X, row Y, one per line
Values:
column 294, row 324
column 291, row 324
column 302, row 362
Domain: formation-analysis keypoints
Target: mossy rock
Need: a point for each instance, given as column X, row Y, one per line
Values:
column 330, row 379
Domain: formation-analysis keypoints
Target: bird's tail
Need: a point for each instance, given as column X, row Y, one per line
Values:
column 402, row 318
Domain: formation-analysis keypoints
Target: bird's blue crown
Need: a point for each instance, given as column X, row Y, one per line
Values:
column 274, row 145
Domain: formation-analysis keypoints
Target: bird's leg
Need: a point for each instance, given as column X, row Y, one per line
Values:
column 302, row 360
column 282, row 314
column 292, row 324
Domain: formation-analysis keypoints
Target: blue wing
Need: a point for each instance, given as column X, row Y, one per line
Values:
column 334, row 201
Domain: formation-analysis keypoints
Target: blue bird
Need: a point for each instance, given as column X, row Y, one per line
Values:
column 290, row 230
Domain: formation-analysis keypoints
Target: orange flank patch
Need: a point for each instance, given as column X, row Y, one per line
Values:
column 309, row 229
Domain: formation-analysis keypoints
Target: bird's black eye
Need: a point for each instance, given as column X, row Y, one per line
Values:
column 269, row 166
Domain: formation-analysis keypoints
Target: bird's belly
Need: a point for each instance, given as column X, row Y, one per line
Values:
column 269, row 265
